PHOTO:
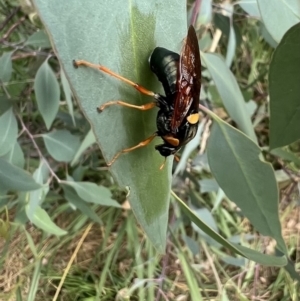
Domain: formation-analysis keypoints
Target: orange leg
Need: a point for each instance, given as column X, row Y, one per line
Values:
column 106, row 70
column 127, row 150
column 144, row 107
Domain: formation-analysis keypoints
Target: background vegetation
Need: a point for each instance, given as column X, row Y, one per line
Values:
column 67, row 228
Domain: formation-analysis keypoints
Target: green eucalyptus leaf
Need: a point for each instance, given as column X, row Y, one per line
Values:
column 68, row 94
column 208, row 185
column 238, row 249
column 47, row 93
column 15, row 155
column 231, row 46
column 121, row 36
column 250, row 7
column 61, row 145
column 266, row 35
column 286, row 155
column 39, row 39
column 230, row 92
column 36, row 197
column 5, row 67
column 73, row 198
column 92, row 193
column 8, row 131
column 205, row 13
column 88, row 140
column 251, row 107
column 5, row 104
column 284, row 85
column 15, row 178
column 42, row 220
column 288, row 12
column 205, row 215
column 245, row 179
column 239, row 262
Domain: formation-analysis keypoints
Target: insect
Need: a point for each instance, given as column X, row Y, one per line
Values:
column 178, row 116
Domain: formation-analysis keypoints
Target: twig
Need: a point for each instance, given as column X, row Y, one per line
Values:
column 38, row 150
column 29, row 54
column 9, row 17
column 5, row 90
column 11, row 29
column 294, row 176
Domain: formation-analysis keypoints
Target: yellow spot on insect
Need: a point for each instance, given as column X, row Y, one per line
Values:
column 193, row 118
column 171, row 140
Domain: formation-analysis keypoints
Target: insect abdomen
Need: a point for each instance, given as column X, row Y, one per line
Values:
column 164, row 63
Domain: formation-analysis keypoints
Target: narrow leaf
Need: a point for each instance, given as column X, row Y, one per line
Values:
column 8, row 131
column 88, row 140
column 286, row 155
column 208, row 185
column 5, row 104
column 238, row 249
column 189, row 276
column 5, row 67
column 39, row 39
column 42, row 220
column 61, row 145
column 79, row 203
column 284, row 79
column 36, row 197
column 15, row 156
column 34, row 281
column 47, row 93
column 15, row 178
column 245, row 179
column 266, row 35
column 288, row 12
column 230, row 93
column 205, row 215
column 205, row 13
column 92, row 193
column 68, row 94
column 231, row 46
column 250, row 7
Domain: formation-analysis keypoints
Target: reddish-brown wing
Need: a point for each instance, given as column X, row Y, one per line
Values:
column 188, row 79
